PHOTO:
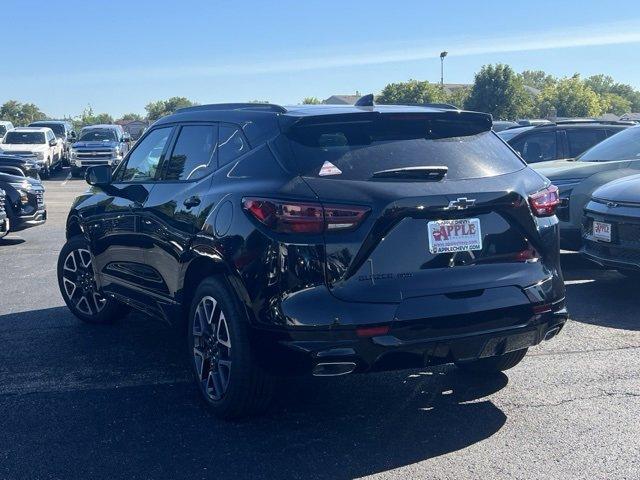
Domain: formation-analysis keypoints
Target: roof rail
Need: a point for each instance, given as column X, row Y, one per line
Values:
column 580, row 121
column 234, row 106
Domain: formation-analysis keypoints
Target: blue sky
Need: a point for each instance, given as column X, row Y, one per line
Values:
column 119, row 55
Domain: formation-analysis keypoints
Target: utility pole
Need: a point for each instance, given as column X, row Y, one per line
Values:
column 442, row 55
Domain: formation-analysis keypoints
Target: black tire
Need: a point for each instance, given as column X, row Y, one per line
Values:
column 45, row 173
column 495, row 364
column 78, row 284
column 242, row 388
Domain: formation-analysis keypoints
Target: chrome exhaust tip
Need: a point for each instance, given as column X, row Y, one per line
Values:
column 333, row 369
column 551, row 333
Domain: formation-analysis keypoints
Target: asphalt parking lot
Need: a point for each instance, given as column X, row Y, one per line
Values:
column 80, row 401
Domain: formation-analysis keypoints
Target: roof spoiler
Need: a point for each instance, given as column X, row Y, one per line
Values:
column 482, row 120
column 263, row 107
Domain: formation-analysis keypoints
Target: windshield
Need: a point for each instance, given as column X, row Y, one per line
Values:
column 57, row 128
column 624, row 145
column 98, row 135
column 357, row 150
column 14, row 137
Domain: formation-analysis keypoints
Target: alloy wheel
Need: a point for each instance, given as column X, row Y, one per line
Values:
column 211, row 348
column 79, row 283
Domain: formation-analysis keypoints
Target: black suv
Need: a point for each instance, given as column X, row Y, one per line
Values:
column 320, row 240
column 24, row 203
column 563, row 139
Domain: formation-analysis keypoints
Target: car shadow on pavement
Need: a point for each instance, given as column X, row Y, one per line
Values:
column 10, row 240
column 599, row 296
column 119, row 399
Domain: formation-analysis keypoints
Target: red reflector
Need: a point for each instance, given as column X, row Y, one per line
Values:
column 537, row 309
column 544, row 202
column 303, row 217
column 372, row 331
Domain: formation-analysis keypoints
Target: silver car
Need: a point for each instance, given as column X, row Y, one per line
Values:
column 617, row 156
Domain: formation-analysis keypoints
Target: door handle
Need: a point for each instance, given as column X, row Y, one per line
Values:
column 192, row 202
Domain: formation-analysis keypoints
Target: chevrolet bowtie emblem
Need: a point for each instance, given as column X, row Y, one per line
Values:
column 461, row 203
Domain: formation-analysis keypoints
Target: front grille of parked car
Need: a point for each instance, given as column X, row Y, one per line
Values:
column 628, row 232
column 94, row 154
column 614, row 252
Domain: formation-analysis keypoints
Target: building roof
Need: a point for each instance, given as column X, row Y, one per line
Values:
column 342, row 99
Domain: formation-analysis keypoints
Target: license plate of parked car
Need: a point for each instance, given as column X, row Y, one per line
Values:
column 602, row 231
column 450, row 236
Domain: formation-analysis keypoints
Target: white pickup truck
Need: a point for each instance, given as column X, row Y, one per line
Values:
column 34, row 141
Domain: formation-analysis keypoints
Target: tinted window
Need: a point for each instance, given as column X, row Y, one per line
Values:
column 621, row 146
column 232, row 144
column 536, row 147
column 25, row 137
column 356, row 150
column 194, row 153
column 57, row 128
column 3, row 130
column 143, row 161
column 581, row 139
column 98, row 135
column 507, row 135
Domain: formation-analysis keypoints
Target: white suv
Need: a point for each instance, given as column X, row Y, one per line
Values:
column 38, row 142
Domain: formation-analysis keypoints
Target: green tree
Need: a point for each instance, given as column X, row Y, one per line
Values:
column 570, row 97
column 88, row 117
column 21, row 113
column 458, row 97
column 129, row 117
column 537, row 79
column 600, row 84
column 612, row 103
column 311, row 101
column 161, row 108
column 629, row 93
column 499, row 91
column 411, row 92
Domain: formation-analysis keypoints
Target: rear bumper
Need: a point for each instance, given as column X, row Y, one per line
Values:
column 411, row 344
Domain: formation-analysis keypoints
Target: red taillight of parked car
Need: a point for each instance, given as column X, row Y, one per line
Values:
column 545, row 202
column 304, row 217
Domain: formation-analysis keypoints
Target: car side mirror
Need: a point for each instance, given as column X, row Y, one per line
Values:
column 98, row 176
column 53, row 142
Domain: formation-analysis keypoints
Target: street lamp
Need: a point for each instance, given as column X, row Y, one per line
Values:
column 442, row 55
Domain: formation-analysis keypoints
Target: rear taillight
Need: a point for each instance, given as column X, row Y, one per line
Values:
column 545, row 202
column 304, row 217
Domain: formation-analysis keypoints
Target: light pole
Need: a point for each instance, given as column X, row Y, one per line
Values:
column 442, row 55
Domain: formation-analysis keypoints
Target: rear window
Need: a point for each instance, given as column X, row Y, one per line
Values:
column 356, row 150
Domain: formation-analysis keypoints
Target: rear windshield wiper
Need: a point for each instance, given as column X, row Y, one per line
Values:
column 413, row 173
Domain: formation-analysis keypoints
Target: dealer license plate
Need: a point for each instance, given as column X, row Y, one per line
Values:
column 602, row 231
column 450, row 236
